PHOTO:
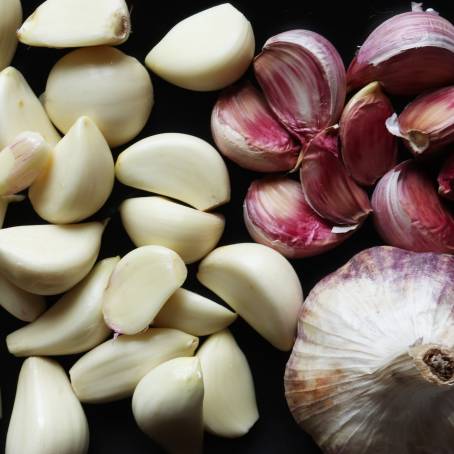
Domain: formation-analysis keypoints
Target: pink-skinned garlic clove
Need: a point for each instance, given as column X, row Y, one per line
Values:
column 446, row 178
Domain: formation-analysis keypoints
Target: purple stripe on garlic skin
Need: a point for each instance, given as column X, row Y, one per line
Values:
column 446, row 178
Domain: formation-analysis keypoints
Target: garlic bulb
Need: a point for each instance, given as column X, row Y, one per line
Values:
column 77, row 23
column 103, row 83
column 47, row 418
column 372, row 369
column 10, row 20
column 4, row 202
column 206, row 51
column 446, row 178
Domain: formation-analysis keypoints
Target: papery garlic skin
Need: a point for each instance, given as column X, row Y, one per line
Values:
column 371, row 371
column 77, row 23
column 446, row 178
column 206, row 51
column 112, row 370
column 10, row 20
column 47, row 418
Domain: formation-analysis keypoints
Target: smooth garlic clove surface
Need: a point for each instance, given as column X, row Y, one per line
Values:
column 446, row 178
column 10, row 20
column 167, row 405
column 206, row 51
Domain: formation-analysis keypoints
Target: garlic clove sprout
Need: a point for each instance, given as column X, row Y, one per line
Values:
column 446, row 178
column 4, row 202
column 79, row 178
column 193, row 314
column 10, row 20
column 229, row 404
column 112, row 370
column 77, row 23
column 47, row 418
column 156, row 220
column 49, row 259
column 167, row 405
column 103, row 83
column 74, row 324
column 180, row 166
column 260, row 285
column 141, row 283
column 185, row 57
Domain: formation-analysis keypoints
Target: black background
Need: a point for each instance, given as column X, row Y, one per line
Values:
column 346, row 24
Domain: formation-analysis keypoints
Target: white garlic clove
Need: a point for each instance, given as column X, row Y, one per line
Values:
column 193, row 314
column 103, row 83
column 180, row 166
column 74, row 324
column 77, row 23
column 49, row 259
column 156, row 220
column 79, row 178
column 10, row 20
column 206, row 51
column 4, row 202
column 21, row 110
column 260, row 284
column 47, row 418
column 167, row 405
column 229, row 405
column 112, row 370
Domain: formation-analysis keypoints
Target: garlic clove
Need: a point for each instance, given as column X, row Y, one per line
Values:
column 260, row 285
column 187, row 58
column 112, row 370
column 446, row 178
column 49, row 259
column 277, row 215
column 21, row 110
column 74, row 324
column 79, row 178
column 229, row 404
column 4, row 202
column 141, row 283
column 193, row 314
column 180, row 166
column 47, row 418
column 303, row 78
column 71, row 23
column 156, row 220
column 368, row 149
column 103, row 83
column 247, row 132
column 167, row 405
column 10, row 20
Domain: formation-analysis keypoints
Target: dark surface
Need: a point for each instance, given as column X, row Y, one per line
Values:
column 346, row 24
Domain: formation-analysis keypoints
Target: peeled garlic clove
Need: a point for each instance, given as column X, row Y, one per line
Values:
column 4, row 202
column 229, row 405
column 446, row 178
column 47, row 418
column 247, row 132
column 193, row 314
column 21, row 110
column 408, row 212
column 103, row 83
column 303, row 78
column 156, row 220
column 112, row 370
column 167, row 405
column 407, row 54
column 10, row 20
column 76, row 23
column 206, row 51
column 260, row 285
column 79, row 178
column 141, row 283
column 74, row 324
column 368, row 149
column 176, row 165
column 49, row 259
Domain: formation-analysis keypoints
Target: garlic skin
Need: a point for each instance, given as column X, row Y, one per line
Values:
column 74, row 324
column 446, row 178
column 47, row 418
column 10, row 20
column 260, row 285
column 246, row 131
column 77, row 23
column 4, row 202
column 229, row 404
column 168, row 401
column 371, row 371
column 185, row 57
column 303, row 79
column 79, row 179
column 179, row 166
column 112, row 370
column 156, row 220
column 96, row 81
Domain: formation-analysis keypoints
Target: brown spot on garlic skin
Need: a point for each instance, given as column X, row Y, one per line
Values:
column 440, row 364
